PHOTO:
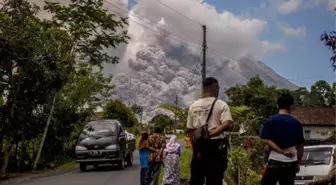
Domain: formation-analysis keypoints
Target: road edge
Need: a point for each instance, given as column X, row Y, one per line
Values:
column 16, row 180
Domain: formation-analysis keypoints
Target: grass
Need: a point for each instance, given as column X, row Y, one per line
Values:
column 184, row 167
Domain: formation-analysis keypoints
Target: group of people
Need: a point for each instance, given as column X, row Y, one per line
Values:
column 157, row 151
column 208, row 118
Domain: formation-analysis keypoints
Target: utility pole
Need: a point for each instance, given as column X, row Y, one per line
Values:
column 129, row 91
column 175, row 124
column 204, row 46
column 204, row 53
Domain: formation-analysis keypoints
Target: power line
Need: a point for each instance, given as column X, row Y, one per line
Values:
column 148, row 22
column 165, row 30
column 190, row 19
column 178, row 37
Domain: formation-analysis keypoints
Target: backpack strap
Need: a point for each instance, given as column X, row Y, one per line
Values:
column 210, row 112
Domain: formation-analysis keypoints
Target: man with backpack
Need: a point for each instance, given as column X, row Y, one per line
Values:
column 208, row 117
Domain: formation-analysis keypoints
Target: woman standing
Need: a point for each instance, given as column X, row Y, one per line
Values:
column 171, row 162
column 143, row 153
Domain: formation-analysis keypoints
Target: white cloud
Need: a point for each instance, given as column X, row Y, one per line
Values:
column 164, row 65
column 331, row 4
column 289, row 6
column 271, row 47
column 229, row 34
column 286, row 7
column 299, row 32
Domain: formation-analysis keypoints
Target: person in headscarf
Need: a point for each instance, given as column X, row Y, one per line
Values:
column 171, row 162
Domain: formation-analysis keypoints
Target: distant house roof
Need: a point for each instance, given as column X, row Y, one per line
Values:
column 315, row 115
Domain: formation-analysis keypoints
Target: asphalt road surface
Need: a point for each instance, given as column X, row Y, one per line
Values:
column 105, row 175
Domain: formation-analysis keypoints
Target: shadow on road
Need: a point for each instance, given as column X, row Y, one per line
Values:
column 105, row 168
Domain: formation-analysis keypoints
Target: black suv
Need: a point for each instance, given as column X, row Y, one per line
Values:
column 104, row 142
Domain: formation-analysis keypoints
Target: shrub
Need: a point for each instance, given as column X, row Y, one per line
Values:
column 240, row 166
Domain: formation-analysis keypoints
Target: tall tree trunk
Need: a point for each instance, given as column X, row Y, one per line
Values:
column 6, row 158
column 44, row 134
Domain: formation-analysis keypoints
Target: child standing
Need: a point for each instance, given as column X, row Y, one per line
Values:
column 143, row 153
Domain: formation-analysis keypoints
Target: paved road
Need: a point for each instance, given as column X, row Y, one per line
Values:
column 102, row 176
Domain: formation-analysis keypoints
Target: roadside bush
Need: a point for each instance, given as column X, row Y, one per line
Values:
column 241, row 168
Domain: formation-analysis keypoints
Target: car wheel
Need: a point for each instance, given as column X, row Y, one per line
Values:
column 121, row 164
column 82, row 167
column 130, row 159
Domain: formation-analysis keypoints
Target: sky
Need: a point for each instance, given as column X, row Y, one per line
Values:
column 297, row 25
column 284, row 34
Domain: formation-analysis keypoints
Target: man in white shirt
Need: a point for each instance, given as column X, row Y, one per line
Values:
column 211, row 166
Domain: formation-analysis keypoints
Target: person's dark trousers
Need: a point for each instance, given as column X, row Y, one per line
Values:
column 143, row 173
column 210, row 167
column 153, row 173
column 281, row 172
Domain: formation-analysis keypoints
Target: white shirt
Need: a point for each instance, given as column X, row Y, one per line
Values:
column 199, row 110
column 282, row 158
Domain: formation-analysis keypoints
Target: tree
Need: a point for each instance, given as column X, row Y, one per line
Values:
column 137, row 109
column 329, row 40
column 258, row 97
column 332, row 95
column 180, row 113
column 118, row 110
column 162, row 120
column 34, row 64
column 301, row 97
column 38, row 57
column 92, row 29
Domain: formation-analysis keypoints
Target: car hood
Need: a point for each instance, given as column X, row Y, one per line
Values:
column 98, row 143
column 313, row 170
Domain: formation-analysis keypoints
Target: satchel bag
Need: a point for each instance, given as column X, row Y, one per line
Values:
column 201, row 135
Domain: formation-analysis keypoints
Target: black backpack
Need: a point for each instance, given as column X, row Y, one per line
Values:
column 201, row 135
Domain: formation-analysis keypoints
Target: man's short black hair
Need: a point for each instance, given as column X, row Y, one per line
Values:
column 158, row 130
column 285, row 101
column 208, row 82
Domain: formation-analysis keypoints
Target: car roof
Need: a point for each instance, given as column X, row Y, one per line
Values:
column 320, row 146
column 113, row 121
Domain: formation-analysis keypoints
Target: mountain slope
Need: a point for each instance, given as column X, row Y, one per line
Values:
column 157, row 78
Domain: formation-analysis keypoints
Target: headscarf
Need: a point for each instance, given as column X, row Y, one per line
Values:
column 172, row 145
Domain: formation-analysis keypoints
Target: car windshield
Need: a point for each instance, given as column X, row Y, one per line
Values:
column 99, row 129
column 317, row 156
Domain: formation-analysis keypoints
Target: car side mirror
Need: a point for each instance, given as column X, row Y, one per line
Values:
column 122, row 136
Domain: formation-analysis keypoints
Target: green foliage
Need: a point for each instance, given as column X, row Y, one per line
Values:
column 137, row 109
column 239, row 111
column 93, row 29
column 261, row 101
column 162, row 120
column 240, row 166
column 41, row 59
column 329, row 40
column 180, row 113
column 117, row 109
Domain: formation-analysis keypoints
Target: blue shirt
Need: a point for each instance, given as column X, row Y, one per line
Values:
column 284, row 130
column 144, row 157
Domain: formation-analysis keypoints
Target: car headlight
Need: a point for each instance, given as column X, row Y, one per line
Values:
column 80, row 148
column 112, row 147
column 316, row 178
